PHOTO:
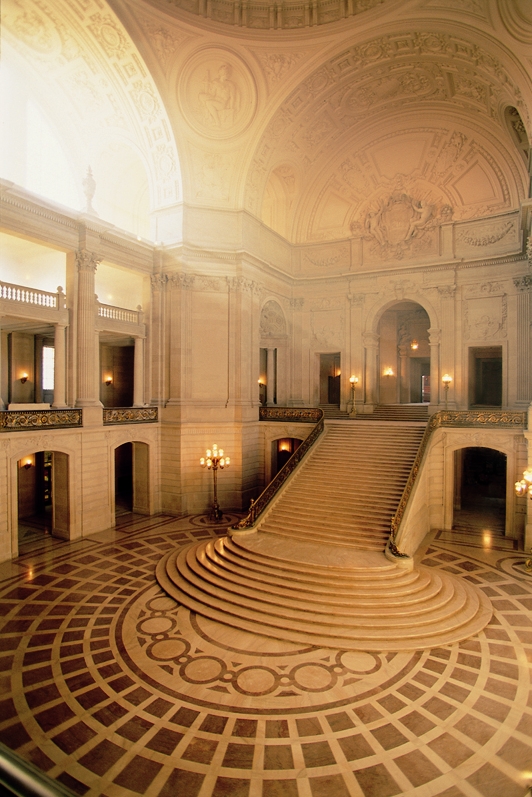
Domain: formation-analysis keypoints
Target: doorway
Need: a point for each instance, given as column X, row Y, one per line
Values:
column 132, row 479
column 330, row 379
column 480, row 490
column 124, row 479
column 485, row 376
column 43, row 503
column 282, row 450
column 419, row 380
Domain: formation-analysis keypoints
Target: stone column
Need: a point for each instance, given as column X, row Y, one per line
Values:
column 37, row 369
column 296, row 356
column 371, row 344
column 435, row 384
column 356, row 351
column 59, row 366
column 158, row 341
column 523, row 342
column 404, row 374
column 528, row 516
column 87, row 361
column 2, row 405
column 448, row 345
column 138, row 373
column 270, row 379
column 180, row 323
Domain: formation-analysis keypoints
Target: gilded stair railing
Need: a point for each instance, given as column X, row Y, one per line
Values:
column 500, row 419
column 292, row 414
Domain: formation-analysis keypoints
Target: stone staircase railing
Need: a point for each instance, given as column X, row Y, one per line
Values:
column 306, row 415
column 499, row 419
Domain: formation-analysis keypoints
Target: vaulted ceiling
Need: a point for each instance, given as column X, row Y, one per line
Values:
column 314, row 120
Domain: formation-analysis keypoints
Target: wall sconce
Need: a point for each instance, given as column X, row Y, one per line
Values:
column 388, row 372
column 28, row 462
column 108, row 380
column 24, row 378
column 446, row 379
column 414, row 345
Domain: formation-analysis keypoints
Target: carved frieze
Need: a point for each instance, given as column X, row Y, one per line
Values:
column 327, row 258
column 479, row 235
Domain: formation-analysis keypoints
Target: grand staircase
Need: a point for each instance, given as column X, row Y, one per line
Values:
column 315, row 573
column 337, row 497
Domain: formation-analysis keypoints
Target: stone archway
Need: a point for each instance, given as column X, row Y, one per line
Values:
column 404, row 354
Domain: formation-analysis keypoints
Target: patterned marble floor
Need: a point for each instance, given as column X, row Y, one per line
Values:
column 113, row 689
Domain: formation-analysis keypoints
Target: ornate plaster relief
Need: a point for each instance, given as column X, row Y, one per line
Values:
column 217, row 93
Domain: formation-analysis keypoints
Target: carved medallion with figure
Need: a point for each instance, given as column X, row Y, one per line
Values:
column 218, row 94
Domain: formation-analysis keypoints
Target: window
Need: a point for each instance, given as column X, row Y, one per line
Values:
column 48, row 358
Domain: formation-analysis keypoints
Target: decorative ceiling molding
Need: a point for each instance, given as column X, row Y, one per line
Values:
column 381, row 84
column 282, row 15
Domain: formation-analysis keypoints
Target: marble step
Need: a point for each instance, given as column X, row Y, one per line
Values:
column 461, row 613
column 289, row 605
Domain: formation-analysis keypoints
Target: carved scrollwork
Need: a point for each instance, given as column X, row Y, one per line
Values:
column 22, row 420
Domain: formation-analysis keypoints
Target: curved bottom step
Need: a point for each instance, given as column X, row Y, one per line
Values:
column 220, row 583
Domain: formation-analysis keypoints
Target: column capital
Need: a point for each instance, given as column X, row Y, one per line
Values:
column 434, row 336
column 87, row 261
column 159, row 281
column 371, row 339
column 523, row 283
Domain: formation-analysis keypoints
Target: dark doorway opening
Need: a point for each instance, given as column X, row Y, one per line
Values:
column 485, row 376
column 124, row 478
column 330, row 379
column 480, row 490
column 419, row 380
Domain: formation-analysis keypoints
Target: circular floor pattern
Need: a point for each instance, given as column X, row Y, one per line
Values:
column 114, row 690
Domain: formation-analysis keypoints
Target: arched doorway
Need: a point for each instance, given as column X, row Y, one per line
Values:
column 131, row 469
column 480, row 490
column 43, row 501
column 404, row 355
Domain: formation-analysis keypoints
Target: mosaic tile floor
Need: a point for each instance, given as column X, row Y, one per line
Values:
column 113, row 689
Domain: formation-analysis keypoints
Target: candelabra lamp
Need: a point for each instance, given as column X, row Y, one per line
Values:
column 214, row 459
column 353, row 381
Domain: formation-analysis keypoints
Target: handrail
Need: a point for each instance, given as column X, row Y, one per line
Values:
column 256, row 508
column 23, row 779
column 452, row 418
